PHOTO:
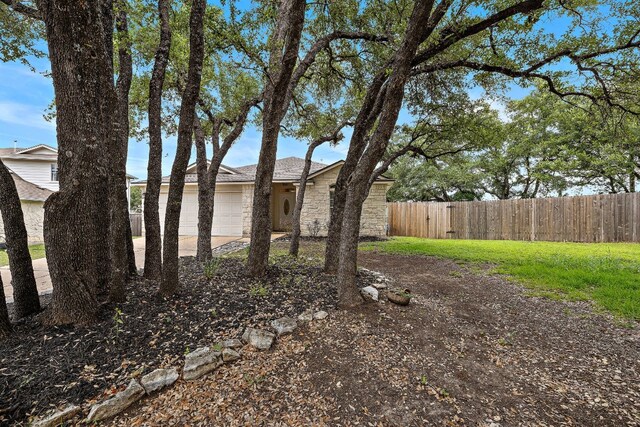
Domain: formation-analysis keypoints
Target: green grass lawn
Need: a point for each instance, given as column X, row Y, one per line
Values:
column 37, row 251
column 607, row 273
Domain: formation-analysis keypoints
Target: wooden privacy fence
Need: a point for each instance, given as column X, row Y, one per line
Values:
column 136, row 224
column 599, row 218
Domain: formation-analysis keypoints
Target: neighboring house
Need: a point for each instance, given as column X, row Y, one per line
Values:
column 35, row 172
column 234, row 200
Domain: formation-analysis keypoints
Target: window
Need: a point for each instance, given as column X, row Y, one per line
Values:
column 54, row 172
column 332, row 196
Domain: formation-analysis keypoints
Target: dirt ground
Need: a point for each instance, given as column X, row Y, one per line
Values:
column 471, row 349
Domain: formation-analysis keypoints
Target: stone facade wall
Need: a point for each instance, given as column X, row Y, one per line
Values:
column 317, row 207
column 247, row 209
column 33, row 219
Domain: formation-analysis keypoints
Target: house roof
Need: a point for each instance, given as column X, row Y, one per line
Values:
column 30, row 153
column 287, row 170
column 51, row 154
column 36, row 147
column 28, row 190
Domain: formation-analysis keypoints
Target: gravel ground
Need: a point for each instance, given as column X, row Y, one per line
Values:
column 471, row 349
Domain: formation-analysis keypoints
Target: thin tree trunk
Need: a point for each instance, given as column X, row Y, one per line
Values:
column 75, row 229
column 185, row 129
column 153, row 240
column 205, row 209
column 119, row 212
column 294, row 246
column 359, row 184
column 25, row 291
column 282, row 61
column 5, row 322
column 207, row 178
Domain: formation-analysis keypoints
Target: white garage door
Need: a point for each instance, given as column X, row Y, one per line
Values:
column 227, row 213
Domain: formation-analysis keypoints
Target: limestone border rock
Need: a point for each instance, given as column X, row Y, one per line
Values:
column 284, row 325
column 258, row 338
column 58, row 418
column 229, row 355
column 200, row 362
column 370, row 293
column 117, row 403
column 158, row 379
column 231, row 343
column 320, row 315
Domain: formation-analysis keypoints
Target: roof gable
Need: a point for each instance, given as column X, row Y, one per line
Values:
column 193, row 168
column 38, row 149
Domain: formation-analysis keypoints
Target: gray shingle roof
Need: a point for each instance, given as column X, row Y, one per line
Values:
column 29, row 191
column 288, row 169
column 14, row 153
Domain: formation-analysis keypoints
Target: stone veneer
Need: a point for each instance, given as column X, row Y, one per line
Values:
column 247, row 209
column 33, row 212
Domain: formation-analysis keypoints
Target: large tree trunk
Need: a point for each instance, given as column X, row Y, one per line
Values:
column 119, row 211
column 131, row 254
column 282, row 61
column 372, row 104
column 153, row 240
column 185, row 129
column 359, row 183
column 5, row 322
column 25, row 291
column 75, row 229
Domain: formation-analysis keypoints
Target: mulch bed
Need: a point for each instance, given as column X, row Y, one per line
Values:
column 471, row 349
column 45, row 367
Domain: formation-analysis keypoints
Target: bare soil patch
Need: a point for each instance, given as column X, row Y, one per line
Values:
column 471, row 349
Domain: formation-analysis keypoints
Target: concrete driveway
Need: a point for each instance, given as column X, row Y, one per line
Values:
column 186, row 247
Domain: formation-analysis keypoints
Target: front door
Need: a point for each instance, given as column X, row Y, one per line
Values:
column 287, row 200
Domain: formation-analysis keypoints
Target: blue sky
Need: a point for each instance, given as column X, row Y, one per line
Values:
column 25, row 96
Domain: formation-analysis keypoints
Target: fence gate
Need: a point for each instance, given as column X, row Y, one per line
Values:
column 136, row 224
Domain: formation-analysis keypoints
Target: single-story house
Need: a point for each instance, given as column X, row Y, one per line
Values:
column 234, row 200
column 35, row 172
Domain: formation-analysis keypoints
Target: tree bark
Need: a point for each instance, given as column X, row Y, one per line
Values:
column 190, row 95
column 153, row 241
column 5, row 322
column 372, row 104
column 75, row 229
column 359, row 184
column 119, row 211
column 282, row 61
column 131, row 254
column 25, row 291
column 207, row 178
column 205, row 208
column 294, row 246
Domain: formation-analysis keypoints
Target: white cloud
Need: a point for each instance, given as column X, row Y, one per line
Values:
column 24, row 115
